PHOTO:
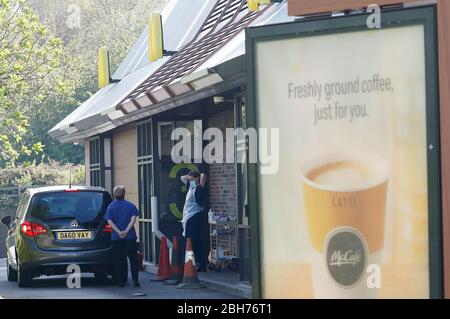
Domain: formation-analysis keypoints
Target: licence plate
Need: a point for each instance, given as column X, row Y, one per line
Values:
column 75, row 235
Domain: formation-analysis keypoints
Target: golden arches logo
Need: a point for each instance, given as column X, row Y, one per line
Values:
column 173, row 175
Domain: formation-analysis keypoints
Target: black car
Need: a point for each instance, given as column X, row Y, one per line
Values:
column 55, row 227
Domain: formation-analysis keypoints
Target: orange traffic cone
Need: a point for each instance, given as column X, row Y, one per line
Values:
column 190, row 278
column 164, row 263
column 176, row 270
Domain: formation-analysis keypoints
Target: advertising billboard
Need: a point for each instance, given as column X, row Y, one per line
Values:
column 351, row 211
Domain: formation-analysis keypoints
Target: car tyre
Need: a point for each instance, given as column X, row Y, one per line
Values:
column 11, row 273
column 24, row 278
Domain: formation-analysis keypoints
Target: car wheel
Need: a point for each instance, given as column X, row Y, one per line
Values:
column 11, row 273
column 24, row 278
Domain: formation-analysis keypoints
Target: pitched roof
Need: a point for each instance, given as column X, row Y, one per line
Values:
column 181, row 21
column 177, row 15
column 225, row 21
column 212, row 37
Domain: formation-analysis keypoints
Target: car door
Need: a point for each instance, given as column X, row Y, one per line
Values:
column 71, row 220
column 14, row 228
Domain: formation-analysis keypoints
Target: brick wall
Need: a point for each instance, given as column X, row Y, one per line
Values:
column 222, row 186
column 222, row 177
column 223, row 192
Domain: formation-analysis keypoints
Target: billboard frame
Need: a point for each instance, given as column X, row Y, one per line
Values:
column 308, row 27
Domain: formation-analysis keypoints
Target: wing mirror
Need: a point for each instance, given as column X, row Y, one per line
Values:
column 6, row 221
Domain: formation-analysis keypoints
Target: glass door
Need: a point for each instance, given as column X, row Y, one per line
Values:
column 171, row 191
column 242, row 189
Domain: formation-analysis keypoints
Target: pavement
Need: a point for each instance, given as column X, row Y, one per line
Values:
column 55, row 288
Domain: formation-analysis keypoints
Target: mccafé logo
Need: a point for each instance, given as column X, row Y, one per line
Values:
column 346, row 256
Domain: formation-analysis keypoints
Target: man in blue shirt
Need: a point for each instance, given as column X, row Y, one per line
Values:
column 121, row 216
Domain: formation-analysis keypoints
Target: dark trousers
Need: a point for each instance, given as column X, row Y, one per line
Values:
column 123, row 249
column 195, row 230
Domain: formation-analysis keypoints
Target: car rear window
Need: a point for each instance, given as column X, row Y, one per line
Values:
column 83, row 206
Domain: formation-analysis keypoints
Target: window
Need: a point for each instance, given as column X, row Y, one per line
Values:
column 107, row 164
column 242, row 189
column 83, row 206
column 165, row 143
column 100, row 162
column 145, row 183
column 94, row 162
column 21, row 208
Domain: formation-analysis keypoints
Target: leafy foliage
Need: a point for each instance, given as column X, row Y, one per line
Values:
column 48, row 67
column 29, row 56
column 42, row 174
column 115, row 24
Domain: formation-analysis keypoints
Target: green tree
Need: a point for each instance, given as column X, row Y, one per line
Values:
column 29, row 57
column 115, row 24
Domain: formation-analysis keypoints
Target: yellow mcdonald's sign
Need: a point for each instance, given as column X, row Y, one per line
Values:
column 103, row 68
column 155, row 37
column 253, row 5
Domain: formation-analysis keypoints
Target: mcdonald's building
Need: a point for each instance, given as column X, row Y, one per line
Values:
column 341, row 192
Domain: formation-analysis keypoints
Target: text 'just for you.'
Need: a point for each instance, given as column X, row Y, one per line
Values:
column 326, row 92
